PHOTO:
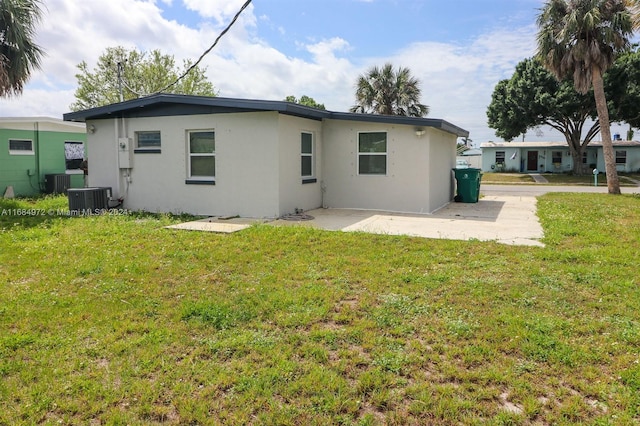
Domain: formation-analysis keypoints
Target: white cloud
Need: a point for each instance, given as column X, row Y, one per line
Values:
column 220, row 10
column 457, row 80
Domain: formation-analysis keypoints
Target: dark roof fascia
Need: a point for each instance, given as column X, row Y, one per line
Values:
column 170, row 104
column 208, row 104
column 397, row 119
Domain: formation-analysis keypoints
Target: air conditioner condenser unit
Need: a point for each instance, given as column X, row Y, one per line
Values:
column 89, row 198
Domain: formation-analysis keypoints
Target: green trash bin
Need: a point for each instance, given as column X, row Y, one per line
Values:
column 468, row 187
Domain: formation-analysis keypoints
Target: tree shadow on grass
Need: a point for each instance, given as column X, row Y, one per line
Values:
column 30, row 212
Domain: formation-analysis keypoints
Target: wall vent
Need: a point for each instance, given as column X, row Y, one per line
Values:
column 89, row 198
column 56, row 184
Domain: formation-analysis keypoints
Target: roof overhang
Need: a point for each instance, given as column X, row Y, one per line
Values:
column 170, row 105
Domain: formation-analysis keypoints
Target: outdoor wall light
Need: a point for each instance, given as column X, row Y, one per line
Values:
column 91, row 129
column 420, row 132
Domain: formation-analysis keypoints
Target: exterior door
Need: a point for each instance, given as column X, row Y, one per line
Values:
column 532, row 160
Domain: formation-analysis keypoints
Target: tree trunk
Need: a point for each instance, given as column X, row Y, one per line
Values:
column 578, row 167
column 613, row 184
column 575, row 148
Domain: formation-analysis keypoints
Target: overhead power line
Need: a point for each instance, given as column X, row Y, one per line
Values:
column 233, row 21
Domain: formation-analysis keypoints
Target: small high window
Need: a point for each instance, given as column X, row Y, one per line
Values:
column 621, row 157
column 148, row 141
column 21, row 147
column 500, row 156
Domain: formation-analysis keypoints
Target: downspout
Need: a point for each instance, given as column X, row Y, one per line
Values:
column 36, row 142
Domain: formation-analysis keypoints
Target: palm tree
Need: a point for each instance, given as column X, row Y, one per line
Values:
column 634, row 9
column 582, row 38
column 19, row 55
column 385, row 91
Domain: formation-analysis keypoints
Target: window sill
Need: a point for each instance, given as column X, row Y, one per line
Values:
column 310, row 180
column 199, row 182
column 147, row 151
column 22, row 153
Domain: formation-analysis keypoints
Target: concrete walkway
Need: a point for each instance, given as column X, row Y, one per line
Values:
column 538, row 178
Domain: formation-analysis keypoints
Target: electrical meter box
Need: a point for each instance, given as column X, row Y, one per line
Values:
column 125, row 153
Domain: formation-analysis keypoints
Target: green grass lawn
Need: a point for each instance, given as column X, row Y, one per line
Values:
column 115, row 320
column 507, row 178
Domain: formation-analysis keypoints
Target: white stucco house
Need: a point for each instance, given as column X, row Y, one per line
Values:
column 254, row 158
column 555, row 157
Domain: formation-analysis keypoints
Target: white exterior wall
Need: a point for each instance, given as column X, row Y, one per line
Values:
column 102, row 155
column 442, row 159
column 293, row 194
column 489, row 159
column 633, row 159
column 258, row 166
column 408, row 183
column 247, row 175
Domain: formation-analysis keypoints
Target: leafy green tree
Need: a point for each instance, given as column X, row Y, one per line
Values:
column 533, row 97
column 582, row 38
column 135, row 74
column 19, row 55
column 386, row 91
column 622, row 86
column 305, row 100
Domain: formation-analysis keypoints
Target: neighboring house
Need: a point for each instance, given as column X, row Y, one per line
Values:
column 555, row 157
column 220, row 156
column 33, row 148
column 471, row 158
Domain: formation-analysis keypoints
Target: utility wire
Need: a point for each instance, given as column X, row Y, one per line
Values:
column 235, row 18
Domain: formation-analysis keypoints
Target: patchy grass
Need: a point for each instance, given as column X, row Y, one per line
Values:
column 115, row 320
column 554, row 179
column 506, row 178
column 587, row 180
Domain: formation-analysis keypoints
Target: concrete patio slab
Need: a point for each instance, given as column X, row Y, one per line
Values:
column 504, row 219
column 507, row 220
column 212, row 225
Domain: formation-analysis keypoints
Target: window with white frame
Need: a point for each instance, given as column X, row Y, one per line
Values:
column 202, row 155
column 148, row 141
column 500, row 156
column 73, row 155
column 556, row 157
column 372, row 153
column 21, row 147
column 307, row 165
column 621, row 157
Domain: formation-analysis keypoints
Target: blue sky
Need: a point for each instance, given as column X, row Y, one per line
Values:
column 458, row 49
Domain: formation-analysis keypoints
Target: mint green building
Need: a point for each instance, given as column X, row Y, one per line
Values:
column 34, row 148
